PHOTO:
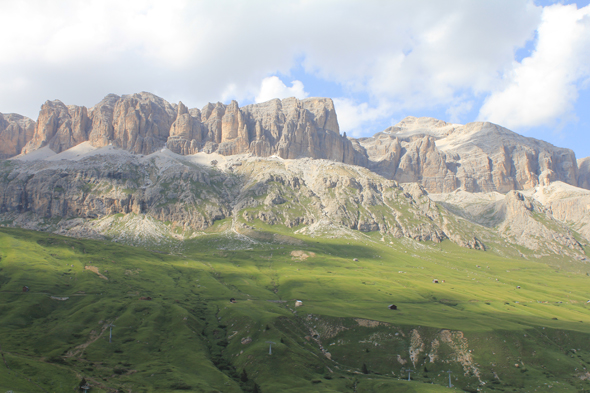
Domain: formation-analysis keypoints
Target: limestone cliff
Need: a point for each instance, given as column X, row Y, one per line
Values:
column 442, row 157
column 60, row 127
column 289, row 128
column 584, row 173
column 143, row 123
column 15, row 132
column 476, row 157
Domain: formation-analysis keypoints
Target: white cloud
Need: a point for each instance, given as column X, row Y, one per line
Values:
column 543, row 88
column 456, row 110
column 272, row 87
column 397, row 55
column 353, row 116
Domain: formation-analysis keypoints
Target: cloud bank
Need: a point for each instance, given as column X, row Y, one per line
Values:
column 273, row 87
column 385, row 57
column 542, row 88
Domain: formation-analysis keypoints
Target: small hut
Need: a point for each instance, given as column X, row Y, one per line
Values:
column 232, row 300
column 25, row 289
column 392, row 307
column 298, row 303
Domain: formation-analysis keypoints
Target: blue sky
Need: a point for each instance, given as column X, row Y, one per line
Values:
column 522, row 64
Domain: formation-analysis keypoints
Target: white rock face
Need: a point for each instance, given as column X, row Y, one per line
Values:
column 567, row 204
column 15, row 132
column 584, row 173
column 540, row 219
column 476, row 157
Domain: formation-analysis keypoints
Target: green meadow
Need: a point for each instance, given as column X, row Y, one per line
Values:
column 497, row 324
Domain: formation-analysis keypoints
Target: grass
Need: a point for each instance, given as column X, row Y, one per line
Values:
column 189, row 337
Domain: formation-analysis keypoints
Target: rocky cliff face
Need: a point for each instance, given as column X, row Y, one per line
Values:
column 442, row 157
column 584, row 173
column 288, row 129
column 476, row 157
column 544, row 219
column 15, row 132
column 59, row 127
column 143, row 123
column 110, row 192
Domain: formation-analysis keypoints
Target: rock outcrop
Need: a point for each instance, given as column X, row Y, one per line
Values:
column 542, row 219
column 15, row 132
column 584, row 173
column 102, row 116
column 141, row 123
column 60, row 127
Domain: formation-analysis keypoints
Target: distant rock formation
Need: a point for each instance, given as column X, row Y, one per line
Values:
column 584, row 173
column 289, row 128
column 15, row 132
column 476, row 157
column 143, row 123
column 442, row 157
column 60, row 127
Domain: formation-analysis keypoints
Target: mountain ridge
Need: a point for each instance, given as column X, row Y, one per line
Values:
column 442, row 157
column 166, row 198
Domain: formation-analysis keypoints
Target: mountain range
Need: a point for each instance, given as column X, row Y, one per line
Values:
column 441, row 156
column 136, row 167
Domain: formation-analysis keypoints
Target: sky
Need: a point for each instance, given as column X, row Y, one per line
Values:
column 522, row 64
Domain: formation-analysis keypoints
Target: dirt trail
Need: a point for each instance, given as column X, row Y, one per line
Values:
column 95, row 270
column 79, row 350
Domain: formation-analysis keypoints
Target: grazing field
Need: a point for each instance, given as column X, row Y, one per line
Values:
column 498, row 324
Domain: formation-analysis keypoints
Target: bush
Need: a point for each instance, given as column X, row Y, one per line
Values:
column 180, row 385
column 364, row 369
column 119, row 370
column 57, row 359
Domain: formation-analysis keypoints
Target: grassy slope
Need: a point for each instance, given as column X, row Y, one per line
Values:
column 189, row 337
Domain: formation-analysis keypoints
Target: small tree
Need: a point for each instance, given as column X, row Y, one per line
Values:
column 244, row 376
column 214, row 162
column 364, row 369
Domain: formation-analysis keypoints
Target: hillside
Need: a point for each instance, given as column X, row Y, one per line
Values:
column 498, row 324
